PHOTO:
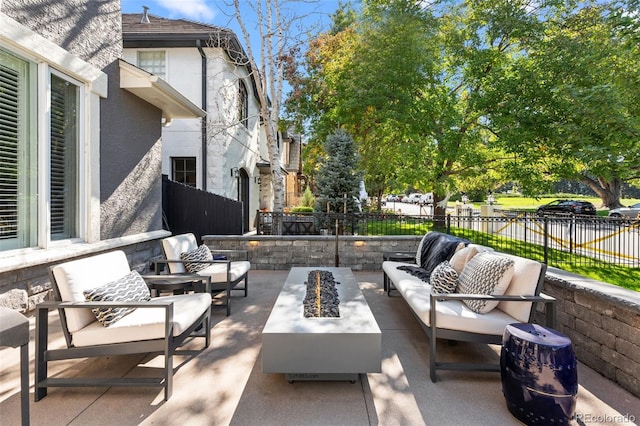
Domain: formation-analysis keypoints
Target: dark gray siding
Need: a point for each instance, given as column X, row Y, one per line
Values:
column 130, row 132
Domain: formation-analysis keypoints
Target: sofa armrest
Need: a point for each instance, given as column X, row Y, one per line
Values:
column 206, row 280
column 548, row 301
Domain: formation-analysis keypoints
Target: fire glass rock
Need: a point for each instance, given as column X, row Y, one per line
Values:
column 321, row 299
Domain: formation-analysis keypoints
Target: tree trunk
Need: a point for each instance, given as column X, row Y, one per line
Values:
column 439, row 213
column 608, row 191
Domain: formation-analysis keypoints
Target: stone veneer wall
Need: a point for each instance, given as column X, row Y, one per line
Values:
column 603, row 321
column 22, row 289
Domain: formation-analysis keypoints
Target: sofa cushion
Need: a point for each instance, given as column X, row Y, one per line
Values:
column 486, row 273
column 200, row 254
column 451, row 314
column 461, row 257
column 444, row 279
column 129, row 288
column 526, row 273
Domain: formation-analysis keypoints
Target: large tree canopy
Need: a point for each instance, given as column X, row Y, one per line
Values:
column 468, row 95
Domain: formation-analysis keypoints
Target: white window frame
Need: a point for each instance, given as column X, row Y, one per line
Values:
column 92, row 82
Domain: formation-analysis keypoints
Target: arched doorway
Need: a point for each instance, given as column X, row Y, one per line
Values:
column 243, row 196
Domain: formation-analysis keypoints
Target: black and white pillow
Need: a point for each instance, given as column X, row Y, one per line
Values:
column 444, row 279
column 485, row 273
column 201, row 254
column 130, row 288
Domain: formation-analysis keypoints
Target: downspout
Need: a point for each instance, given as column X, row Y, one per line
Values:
column 204, row 108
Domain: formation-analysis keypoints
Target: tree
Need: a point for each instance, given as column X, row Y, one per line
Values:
column 339, row 179
column 570, row 107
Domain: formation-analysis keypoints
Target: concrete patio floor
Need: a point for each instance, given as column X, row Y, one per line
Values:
column 224, row 384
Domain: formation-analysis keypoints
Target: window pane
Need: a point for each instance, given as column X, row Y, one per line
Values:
column 17, row 154
column 184, row 170
column 153, row 62
column 243, row 104
column 64, row 163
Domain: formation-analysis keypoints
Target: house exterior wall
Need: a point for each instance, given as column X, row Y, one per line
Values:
column 229, row 144
column 121, row 162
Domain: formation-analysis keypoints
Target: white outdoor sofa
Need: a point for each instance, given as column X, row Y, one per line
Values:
column 446, row 316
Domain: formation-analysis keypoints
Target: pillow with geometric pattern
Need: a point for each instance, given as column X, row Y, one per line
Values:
column 486, row 273
column 130, row 288
column 201, row 254
column 444, row 279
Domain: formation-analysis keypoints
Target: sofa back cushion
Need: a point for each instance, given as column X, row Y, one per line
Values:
column 74, row 277
column 526, row 274
column 174, row 246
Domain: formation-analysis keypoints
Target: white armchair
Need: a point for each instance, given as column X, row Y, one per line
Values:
column 184, row 256
column 106, row 309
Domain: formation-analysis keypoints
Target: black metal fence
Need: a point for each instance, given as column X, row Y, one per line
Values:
column 186, row 209
column 555, row 240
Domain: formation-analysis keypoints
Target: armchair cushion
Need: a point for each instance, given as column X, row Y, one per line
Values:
column 146, row 323
column 218, row 271
column 202, row 254
column 73, row 278
column 486, row 273
column 130, row 288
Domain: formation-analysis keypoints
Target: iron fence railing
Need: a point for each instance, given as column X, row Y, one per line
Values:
column 554, row 240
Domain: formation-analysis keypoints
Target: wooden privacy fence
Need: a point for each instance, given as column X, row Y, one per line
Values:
column 187, row 209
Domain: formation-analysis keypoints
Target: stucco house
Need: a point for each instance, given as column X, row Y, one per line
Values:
column 80, row 142
column 224, row 152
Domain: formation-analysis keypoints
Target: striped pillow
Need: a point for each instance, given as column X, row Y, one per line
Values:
column 202, row 254
column 444, row 279
column 486, row 273
column 130, row 288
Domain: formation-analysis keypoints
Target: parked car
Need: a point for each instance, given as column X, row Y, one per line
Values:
column 631, row 211
column 426, row 198
column 413, row 198
column 567, row 207
column 393, row 197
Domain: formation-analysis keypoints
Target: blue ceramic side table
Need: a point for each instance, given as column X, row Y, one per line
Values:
column 539, row 374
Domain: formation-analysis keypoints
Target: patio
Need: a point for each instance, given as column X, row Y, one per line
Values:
column 224, row 384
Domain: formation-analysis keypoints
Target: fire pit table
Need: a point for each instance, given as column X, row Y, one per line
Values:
column 321, row 348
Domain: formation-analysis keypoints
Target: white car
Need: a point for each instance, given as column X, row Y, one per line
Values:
column 413, row 198
column 426, row 198
column 631, row 211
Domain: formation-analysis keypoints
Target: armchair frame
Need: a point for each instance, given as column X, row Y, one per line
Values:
column 167, row 345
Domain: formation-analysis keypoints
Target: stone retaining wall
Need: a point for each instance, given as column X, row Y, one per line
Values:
column 603, row 321
column 23, row 288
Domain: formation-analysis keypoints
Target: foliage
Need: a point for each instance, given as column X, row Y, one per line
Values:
column 307, row 200
column 338, row 178
column 301, row 209
column 465, row 96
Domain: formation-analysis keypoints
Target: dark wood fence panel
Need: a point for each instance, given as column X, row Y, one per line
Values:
column 187, row 209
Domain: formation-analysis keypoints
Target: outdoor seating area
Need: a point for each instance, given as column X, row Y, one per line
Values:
column 225, row 384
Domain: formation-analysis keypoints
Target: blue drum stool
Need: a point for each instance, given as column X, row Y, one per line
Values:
column 539, row 374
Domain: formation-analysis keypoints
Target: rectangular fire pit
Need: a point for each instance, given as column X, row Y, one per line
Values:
column 321, row 348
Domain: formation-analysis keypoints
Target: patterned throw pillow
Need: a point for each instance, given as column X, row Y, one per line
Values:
column 130, row 288
column 202, row 253
column 444, row 279
column 486, row 273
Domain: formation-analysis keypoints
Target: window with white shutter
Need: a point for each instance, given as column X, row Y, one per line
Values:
column 23, row 209
column 17, row 155
column 63, row 181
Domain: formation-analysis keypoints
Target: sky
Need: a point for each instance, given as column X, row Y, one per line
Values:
column 315, row 14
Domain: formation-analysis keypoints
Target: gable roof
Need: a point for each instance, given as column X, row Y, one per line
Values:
column 163, row 32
